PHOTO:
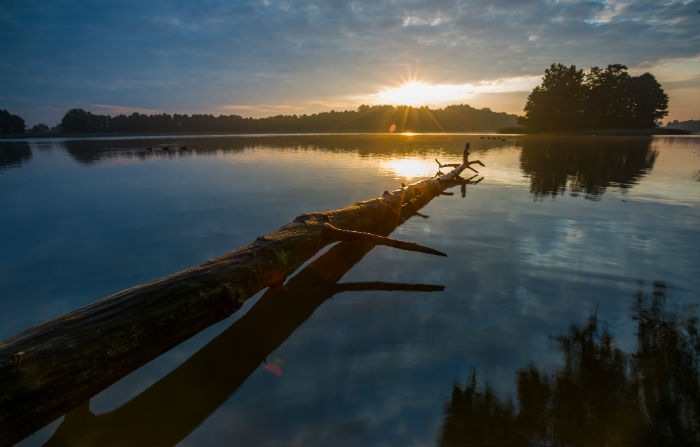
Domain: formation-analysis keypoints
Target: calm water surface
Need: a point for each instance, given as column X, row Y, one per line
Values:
column 571, row 287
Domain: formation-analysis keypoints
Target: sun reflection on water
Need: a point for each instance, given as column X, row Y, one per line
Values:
column 410, row 167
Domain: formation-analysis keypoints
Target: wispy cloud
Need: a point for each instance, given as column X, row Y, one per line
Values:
column 429, row 20
column 332, row 104
column 107, row 109
column 257, row 109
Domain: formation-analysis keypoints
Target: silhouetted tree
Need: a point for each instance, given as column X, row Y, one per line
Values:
column 558, row 103
column 648, row 99
column 80, row 121
column 618, row 100
column 609, row 101
column 40, row 129
column 11, row 124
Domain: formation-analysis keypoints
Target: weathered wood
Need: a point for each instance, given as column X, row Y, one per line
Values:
column 167, row 411
column 53, row 367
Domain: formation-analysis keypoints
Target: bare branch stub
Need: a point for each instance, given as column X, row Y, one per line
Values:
column 349, row 235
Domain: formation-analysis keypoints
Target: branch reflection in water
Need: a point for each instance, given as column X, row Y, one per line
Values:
column 601, row 396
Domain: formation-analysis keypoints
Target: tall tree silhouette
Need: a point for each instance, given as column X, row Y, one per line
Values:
column 558, row 103
column 11, row 124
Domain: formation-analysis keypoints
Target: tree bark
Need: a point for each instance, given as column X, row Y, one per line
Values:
column 53, row 367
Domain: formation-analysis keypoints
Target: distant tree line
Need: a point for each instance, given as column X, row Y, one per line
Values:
column 15, row 125
column 570, row 100
column 364, row 119
column 689, row 125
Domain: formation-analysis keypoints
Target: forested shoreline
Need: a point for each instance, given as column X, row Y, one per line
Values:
column 385, row 118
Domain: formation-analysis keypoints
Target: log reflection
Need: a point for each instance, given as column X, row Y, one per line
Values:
column 601, row 396
column 171, row 408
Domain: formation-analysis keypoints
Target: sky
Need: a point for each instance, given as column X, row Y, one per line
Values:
column 265, row 57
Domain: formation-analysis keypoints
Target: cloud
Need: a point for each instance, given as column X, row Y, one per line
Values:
column 263, row 109
column 331, row 104
column 184, row 56
column 106, row 109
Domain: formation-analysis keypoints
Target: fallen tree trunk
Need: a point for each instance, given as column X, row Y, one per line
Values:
column 52, row 367
column 170, row 409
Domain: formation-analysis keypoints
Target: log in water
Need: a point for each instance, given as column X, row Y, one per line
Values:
column 53, row 367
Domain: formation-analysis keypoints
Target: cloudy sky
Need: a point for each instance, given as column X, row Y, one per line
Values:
column 266, row 57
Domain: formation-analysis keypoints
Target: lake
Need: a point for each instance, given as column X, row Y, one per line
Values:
column 569, row 309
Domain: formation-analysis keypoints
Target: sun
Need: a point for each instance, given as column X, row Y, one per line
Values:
column 415, row 92
column 418, row 93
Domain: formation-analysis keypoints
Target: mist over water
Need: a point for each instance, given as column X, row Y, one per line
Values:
column 565, row 238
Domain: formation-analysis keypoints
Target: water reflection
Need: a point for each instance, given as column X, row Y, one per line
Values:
column 169, row 410
column 584, row 165
column 601, row 396
column 13, row 154
column 555, row 165
column 528, row 266
column 88, row 151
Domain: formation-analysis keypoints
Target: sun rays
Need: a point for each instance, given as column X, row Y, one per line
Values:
column 417, row 93
column 422, row 93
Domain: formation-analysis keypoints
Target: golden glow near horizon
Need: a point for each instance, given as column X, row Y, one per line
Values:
column 419, row 93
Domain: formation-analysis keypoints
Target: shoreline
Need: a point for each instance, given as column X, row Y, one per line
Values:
column 607, row 132
column 508, row 131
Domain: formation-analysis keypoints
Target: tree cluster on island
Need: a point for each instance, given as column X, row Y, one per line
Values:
column 570, row 100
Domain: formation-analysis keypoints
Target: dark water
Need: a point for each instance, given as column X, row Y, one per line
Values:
column 569, row 310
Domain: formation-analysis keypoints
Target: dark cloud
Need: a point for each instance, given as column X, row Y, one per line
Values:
column 191, row 56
